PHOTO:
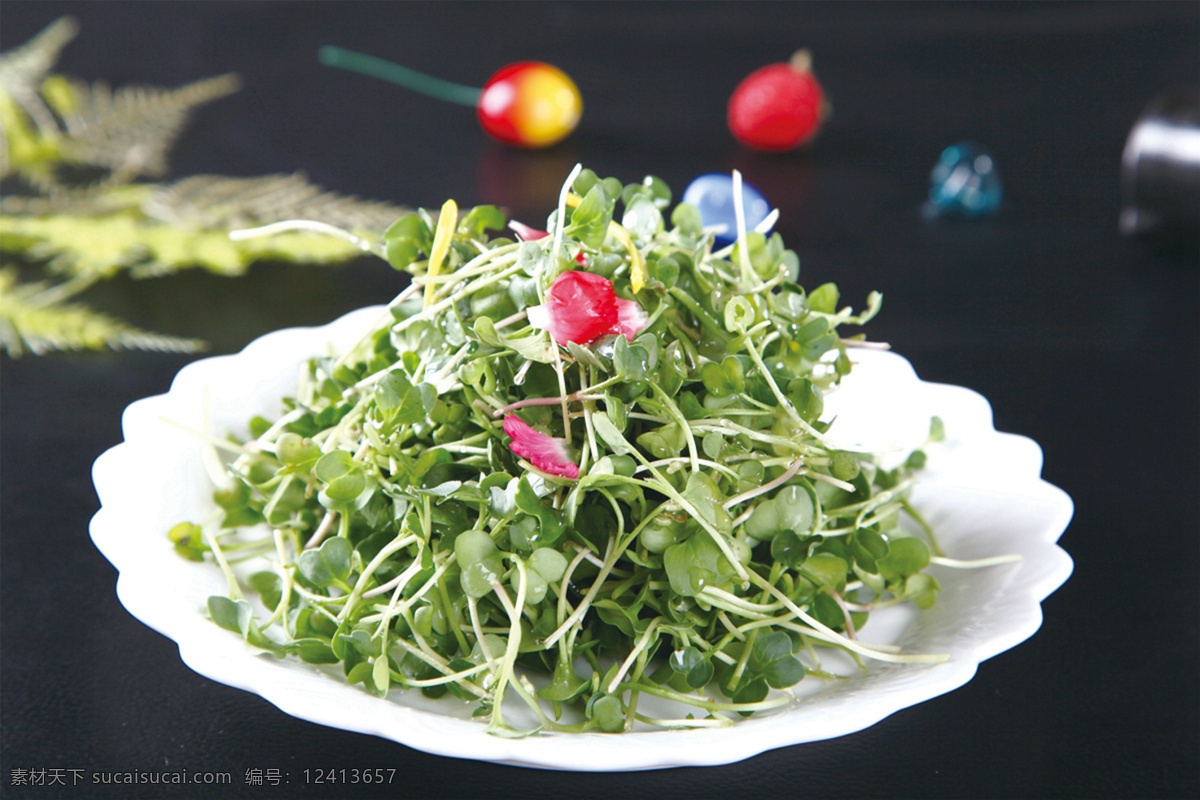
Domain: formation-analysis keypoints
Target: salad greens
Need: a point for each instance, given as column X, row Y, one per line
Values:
column 674, row 526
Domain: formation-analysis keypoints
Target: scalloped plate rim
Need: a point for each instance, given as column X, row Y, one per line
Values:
column 204, row 648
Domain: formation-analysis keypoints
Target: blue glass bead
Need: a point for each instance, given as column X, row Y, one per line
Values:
column 964, row 182
column 712, row 194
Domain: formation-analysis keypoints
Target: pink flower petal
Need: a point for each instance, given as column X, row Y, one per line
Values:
column 526, row 233
column 582, row 306
column 547, row 453
column 631, row 318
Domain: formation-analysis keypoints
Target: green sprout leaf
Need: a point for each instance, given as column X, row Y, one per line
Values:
column 329, row 564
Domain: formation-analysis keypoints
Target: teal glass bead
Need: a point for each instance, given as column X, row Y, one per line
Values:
column 965, row 182
column 712, row 195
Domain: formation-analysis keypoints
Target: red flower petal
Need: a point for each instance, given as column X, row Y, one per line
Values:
column 581, row 307
column 526, row 233
column 547, row 453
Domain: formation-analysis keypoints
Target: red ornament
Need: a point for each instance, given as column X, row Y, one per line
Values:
column 778, row 107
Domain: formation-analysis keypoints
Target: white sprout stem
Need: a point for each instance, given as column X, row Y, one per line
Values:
column 320, row 600
column 269, row 508
column 681, row 421
column 793, row 415
column 704, row 462
column 285, row 577
column 715, row 722
column 994, row 561
column 405, row 293
column 481, row 264
column 737, row 604
column 511, row 319
column 514, row 638
column 563, row 605
column 727, row 426
column 768, row 222
column 729, row 626
column 453, row 677
column 271, row 433
column 376, row 377
column 740, row 518
column 542, row 401
column 421, row 642
column 642, row 643
column 711, row 705
column 562, row 211
column 396, row 587
column 749, row 276
column 849, row 644
column 312, row 226
column 717, row 601
column 844, row 606
column 654, row 418
column 766, row 487
column 442, row 305
column 562, row 391
column 525, row 691
column 235, row 591
column 369, row 570
column 442, row 667
column 394, row 607
column 864, row 344
column 763, row 288
column 703, row 644
column 473, row 609
column 881, row 498
column 661, row 484
column 838, row 640
column 593, row 590
column 322, row 530
column 589, row 429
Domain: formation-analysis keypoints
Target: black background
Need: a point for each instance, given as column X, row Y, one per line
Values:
column 1082, row 340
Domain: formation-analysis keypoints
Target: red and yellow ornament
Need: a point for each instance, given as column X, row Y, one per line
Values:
column 529, row 104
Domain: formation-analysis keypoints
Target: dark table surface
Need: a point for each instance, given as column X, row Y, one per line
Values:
column 1082, row 339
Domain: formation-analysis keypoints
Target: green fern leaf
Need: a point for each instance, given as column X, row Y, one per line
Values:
column 28, row 324
column 79, row 146
column 23, row 69
column 129, row 131
column 79, row 201
column 48, row 121
column 103, row 245
column 154, row 230
column 218, row 202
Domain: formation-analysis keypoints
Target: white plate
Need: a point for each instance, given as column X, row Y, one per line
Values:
column 981, row 491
